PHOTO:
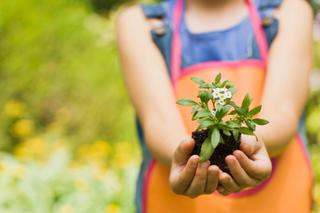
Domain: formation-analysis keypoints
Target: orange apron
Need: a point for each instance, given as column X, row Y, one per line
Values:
column 289, row 188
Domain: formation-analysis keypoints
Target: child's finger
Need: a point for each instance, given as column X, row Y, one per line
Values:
column 222, row 190
column 183, row 151
column 181, row 180
column 257, row 169
column 198, row 183
column 213, row 179
column 239, row 175
column 249, row 144
column 228, row 183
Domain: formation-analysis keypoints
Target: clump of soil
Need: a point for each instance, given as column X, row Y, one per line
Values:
column 220, row 152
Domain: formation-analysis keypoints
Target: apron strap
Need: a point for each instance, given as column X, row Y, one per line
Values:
column 176, row 40
column 258, row 31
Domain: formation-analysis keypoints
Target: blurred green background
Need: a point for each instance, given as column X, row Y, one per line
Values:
column 67, row 128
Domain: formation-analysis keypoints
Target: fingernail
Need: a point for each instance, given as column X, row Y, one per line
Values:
column 229, row 156
column 213, row 168
column 235, row 153
column 195, row 160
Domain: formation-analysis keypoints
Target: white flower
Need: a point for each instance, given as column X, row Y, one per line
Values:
column 215, row 93
column 213, row 112
column 222, row 97
column 221, row 94
column 221, row 102
column 223, row 90
column 228, row 94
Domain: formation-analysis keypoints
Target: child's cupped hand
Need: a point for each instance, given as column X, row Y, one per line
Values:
column 188, row 176
column 248, row 167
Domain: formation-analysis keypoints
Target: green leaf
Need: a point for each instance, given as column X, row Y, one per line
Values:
column 246, row 102
column 233, row 112
column 221, row 139
column 227, row 133
column 205, row 86
column 233, row 124
column 204, row 113
column 222, row 112
column 217, row 79
column 223, row 127
column 194, row 115
column 236, row 108
column 206, row 150
column 251, row 125
column 202, row 83
column 246, row 131
column 204, row 123
column 255, row 111
column 195, row 109
column 233, row 90
column 235, row 134
column 186, row 102
column 215, row 138
column 260, row 121
column 204, row 96
column 227, row 84
column 197, row 80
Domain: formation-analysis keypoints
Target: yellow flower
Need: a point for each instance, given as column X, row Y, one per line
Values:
column 32, row 148
column 112, row 208
column 121, row 158
column 23, row 128
column 75, row 164
column 96, row 151
column 2, row 168
column 14, row 108
column 66, row 209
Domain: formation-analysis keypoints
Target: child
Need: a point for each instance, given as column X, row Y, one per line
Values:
column 265, row 48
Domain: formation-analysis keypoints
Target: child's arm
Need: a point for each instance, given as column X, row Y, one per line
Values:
column 288, row 75
column 284, row 95
column 149, row 87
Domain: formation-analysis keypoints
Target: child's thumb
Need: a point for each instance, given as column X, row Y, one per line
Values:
column 249, row 144
column 183, row 151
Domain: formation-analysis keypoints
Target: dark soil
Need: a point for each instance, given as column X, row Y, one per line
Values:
column 221, row 151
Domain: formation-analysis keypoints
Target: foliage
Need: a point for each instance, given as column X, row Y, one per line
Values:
column 58, row 183
column 220, row 115
column 105, row 7
column 59, row 60
column 67, row 151
column 315, row 158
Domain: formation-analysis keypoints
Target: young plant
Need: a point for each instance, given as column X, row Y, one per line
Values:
column 221, row 121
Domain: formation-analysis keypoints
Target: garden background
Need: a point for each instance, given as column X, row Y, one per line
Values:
column 67, row 135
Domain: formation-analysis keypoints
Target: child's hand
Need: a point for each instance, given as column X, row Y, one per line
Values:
column 248, row 167
column 187, row 176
